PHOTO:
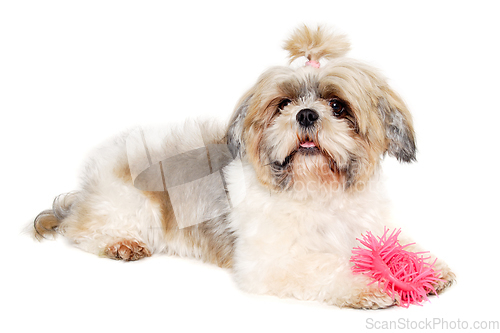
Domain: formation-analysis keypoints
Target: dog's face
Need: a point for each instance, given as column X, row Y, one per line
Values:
column 320, row 128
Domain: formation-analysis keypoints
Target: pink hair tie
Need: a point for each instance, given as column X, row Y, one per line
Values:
column 313, row 63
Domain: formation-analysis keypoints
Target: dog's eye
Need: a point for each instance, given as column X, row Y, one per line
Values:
column 284, row 103
column 338, row 107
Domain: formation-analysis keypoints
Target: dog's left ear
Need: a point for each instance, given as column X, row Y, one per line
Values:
column 235, row 129
column 398, row 126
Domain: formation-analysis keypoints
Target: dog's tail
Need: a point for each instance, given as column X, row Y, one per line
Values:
column 46, row 224
column 315, row 44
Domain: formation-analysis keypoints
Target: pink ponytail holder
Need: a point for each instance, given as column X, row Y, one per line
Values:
column 313, row 63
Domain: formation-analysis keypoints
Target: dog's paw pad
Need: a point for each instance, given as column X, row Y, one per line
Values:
column 127, row 250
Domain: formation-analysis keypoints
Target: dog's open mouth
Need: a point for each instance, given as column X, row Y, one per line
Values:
column 308, row 146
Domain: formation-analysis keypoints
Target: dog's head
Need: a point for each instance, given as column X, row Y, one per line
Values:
column 323, row 126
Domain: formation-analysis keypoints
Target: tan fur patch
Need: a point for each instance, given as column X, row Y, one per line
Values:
column 81, row 222
column 315, row 44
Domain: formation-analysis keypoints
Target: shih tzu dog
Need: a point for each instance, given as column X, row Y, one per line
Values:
column 279, row 195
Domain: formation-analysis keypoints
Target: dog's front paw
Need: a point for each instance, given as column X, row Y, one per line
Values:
column 447, row 277
column 369, row 298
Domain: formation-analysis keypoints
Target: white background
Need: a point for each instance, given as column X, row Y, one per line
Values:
column 73, row 73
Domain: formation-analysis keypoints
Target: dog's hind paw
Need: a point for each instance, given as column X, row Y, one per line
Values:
column 127, row 250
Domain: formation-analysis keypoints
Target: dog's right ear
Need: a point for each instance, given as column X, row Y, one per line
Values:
column 235, row 129
column 398, row 127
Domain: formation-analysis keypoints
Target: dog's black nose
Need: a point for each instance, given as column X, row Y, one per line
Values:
column 307, row 117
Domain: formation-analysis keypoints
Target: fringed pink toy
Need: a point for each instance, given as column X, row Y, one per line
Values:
column 400, row 272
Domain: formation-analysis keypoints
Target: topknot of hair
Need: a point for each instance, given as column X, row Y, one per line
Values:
column 315, row 44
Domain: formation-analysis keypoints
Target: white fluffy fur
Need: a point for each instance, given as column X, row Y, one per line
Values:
column 283, row 248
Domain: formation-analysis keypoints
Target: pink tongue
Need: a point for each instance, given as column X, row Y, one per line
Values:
column 308, row 144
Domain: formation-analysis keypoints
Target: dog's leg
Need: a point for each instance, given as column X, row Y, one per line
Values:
column 115, row 221
column 319, row 276
column 111, row 234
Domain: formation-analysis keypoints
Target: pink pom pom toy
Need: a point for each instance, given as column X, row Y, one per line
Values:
column 400, row 272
